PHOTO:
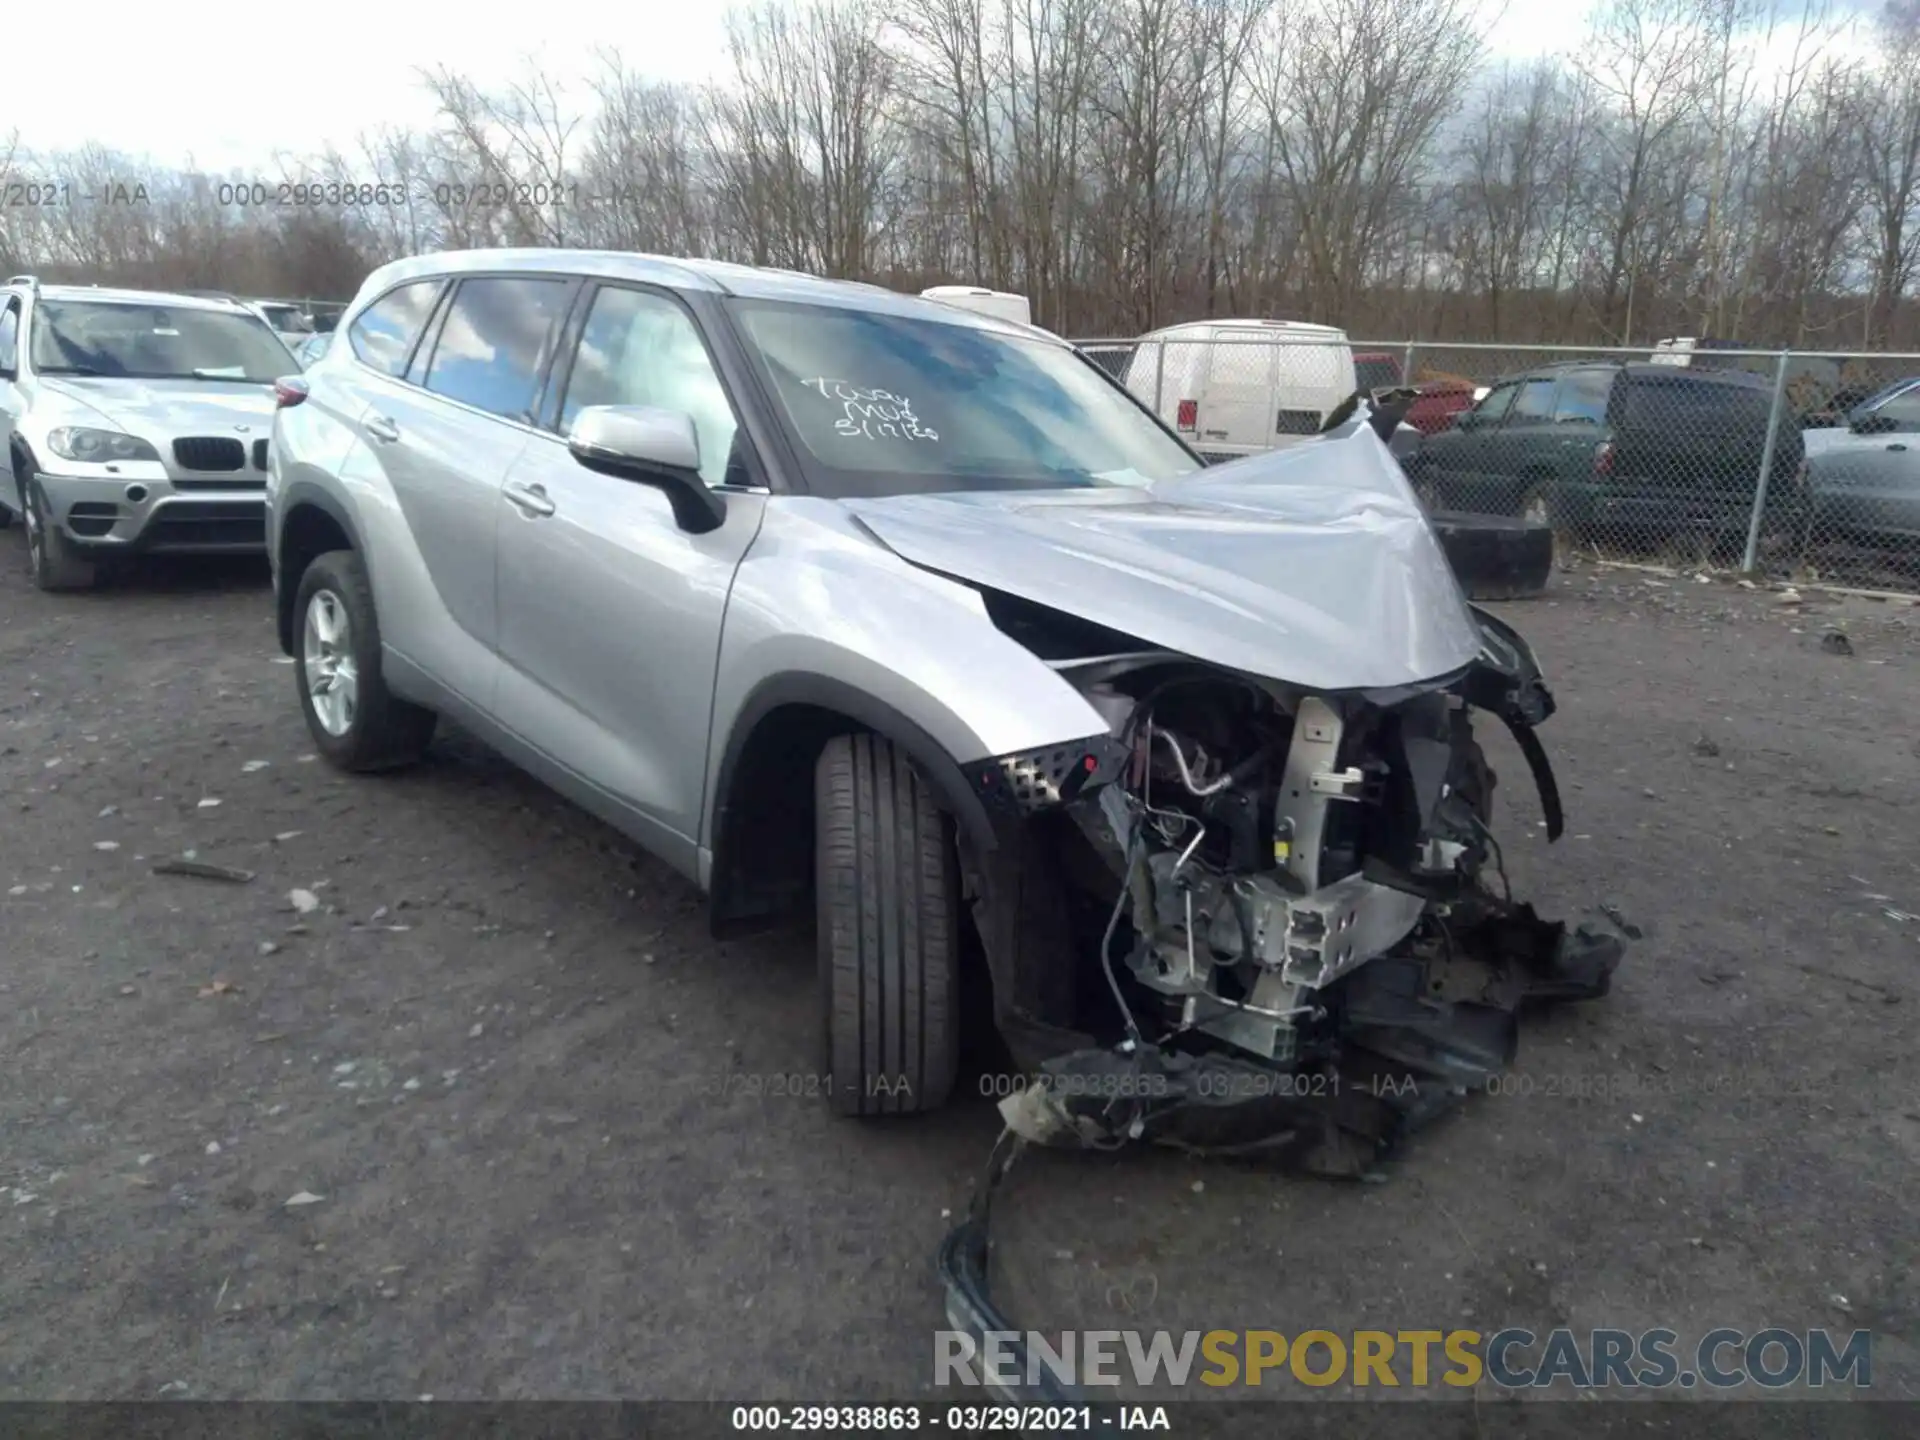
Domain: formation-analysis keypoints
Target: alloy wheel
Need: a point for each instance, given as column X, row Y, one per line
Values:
column 333, row 676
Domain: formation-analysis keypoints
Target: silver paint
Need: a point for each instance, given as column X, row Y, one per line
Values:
column 1313, row 565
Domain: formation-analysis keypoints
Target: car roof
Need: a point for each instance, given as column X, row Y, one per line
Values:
column 1647, row 369
column 105, row 295
column 709, row 276
column 1187, row 327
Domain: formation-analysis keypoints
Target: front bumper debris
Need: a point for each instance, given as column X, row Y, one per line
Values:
column 1419, row 1030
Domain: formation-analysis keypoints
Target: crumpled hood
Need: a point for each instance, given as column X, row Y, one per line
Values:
column 1313, row 565
column 160, row 410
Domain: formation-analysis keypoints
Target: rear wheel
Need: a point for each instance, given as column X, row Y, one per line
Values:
column 888, row 898
column 355, row 721
column 55, row 561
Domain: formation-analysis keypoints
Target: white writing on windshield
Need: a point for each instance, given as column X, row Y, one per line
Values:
column 873, row 414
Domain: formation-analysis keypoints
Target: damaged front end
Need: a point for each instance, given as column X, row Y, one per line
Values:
column 1299, row 933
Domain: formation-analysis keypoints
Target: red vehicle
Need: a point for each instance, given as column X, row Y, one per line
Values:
column 1440, row 400
column 1440, row 403
column 1376, row 370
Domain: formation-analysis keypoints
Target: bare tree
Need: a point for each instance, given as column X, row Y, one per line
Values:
column 1645, row 56
column 1354, row 96
column 1887, row 119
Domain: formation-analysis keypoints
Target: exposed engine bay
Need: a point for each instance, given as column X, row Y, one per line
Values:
column 1301, row 931
column 1258, row 917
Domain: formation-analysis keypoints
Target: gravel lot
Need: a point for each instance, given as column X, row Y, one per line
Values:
column 493, row 1050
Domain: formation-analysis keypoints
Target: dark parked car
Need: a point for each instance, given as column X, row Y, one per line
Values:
column 1620, row 451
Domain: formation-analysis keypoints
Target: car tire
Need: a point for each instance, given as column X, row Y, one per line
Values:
column 56, row 563
column 887, row 896
column 355, row 721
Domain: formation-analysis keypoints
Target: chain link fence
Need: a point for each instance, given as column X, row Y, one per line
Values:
column 1691, row 454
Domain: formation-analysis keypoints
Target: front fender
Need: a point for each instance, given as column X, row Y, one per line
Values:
column 822, row 614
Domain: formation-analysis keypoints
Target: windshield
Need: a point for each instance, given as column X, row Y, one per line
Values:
column 1878, row 398
column 286, row 317
column 154, row 342
column 886, row 405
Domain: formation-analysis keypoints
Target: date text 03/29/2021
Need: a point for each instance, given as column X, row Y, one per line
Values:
column 952, row 1419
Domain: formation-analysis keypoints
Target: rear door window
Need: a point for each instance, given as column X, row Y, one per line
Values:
column 384, row 333
column 1583, row 397
column 493, row 343
column 1682, row 406
column 1534, row 402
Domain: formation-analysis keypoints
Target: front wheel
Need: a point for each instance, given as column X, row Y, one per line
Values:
column 888, row 899
column 54, row 560
column 356, row 722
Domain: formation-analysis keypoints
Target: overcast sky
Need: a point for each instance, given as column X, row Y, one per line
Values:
column 226, row 85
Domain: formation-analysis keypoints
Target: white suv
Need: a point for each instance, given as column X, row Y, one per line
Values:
column 132, row 421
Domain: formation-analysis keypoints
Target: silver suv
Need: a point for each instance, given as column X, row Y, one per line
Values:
column 858, row 607
column 132, row 421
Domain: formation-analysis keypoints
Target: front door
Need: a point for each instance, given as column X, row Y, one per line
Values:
column 1450, row 470
column 1523, row 455
column 610, row 613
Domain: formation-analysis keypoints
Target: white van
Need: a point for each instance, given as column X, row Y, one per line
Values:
column 1676, row 351
column 998, row 303
column 1238, row 387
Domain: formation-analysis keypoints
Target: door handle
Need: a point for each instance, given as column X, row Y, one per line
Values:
column 379, row 427
column 532, row 500
column 1897, row 445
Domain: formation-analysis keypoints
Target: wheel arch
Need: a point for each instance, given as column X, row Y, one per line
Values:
column 762, row 810
column 310, row 523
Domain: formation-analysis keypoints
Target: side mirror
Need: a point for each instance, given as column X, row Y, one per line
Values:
column 1466, row 420
column 653, row 447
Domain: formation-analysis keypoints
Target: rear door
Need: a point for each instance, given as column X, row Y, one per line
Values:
column 443, row 435
column 1314, row 375
column 1238, row 364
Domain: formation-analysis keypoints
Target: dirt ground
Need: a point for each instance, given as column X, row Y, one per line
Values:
column 495, row 1051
